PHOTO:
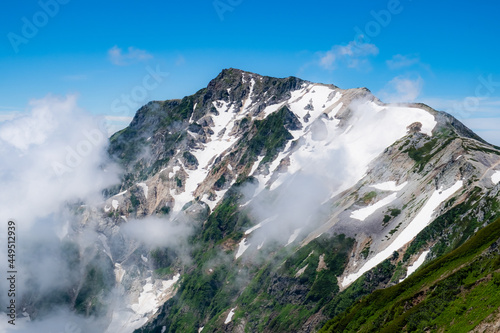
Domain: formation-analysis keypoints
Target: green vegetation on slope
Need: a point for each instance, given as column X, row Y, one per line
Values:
column 280, row 298
column 270, row 135
column 457, row 290
column 424, row 154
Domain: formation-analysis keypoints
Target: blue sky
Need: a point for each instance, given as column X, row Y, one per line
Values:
column 442, row 53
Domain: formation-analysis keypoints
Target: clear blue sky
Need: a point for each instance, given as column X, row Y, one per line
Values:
column 442, row 53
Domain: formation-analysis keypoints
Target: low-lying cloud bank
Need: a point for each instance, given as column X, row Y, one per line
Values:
column 53, row 161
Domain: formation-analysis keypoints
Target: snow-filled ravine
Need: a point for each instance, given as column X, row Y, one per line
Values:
column 229, row 316
column 412, row 268
column 128, row 319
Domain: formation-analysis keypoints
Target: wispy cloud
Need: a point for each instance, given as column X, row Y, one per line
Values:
column 402, row 89
column 120, row 58
column 353, row 55
column 399, row 61
column 157, row 232
column 180, row 60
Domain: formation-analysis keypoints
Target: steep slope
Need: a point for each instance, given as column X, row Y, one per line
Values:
column 299, row 197
column 457, row 291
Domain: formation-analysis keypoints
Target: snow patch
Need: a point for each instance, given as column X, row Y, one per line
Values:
column 412, row 268
column 148, row 303
column 420, row 221
column 248, row 101
column 294, row 236
column 229, row 316
column 243, row 246
column 260, row 224
column 495, row 178
column 114, row 204
column 363, row 213
column 174, row 171
column 256, row 165
column 255, row 227
column 301, row 271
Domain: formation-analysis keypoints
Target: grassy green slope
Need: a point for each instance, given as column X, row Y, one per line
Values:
column 453, row 293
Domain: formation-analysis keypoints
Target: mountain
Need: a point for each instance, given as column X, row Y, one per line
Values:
column 280, row 205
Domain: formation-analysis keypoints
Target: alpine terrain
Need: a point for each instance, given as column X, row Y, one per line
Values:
column 291, row 206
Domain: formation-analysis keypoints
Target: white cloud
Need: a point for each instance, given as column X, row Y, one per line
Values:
column 120, row 58
column 180, row 60
column 157, row 232
column 60, row 320
column 51, row 155
column 54, row 158
column 353, row 55
column 34, row 129
column 402, row 89
column 399, row 61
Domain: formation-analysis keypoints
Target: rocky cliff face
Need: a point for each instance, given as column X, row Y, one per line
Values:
column 299, row 199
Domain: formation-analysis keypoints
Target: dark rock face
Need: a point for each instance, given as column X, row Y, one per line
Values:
column 287, row 290
column 291, row 121
column 415, row 127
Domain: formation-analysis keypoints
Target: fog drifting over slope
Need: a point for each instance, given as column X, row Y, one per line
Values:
column 52, row 157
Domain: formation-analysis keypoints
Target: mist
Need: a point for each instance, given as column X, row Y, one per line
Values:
column 334, row 156
column 157, row 232
column 54, row 164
